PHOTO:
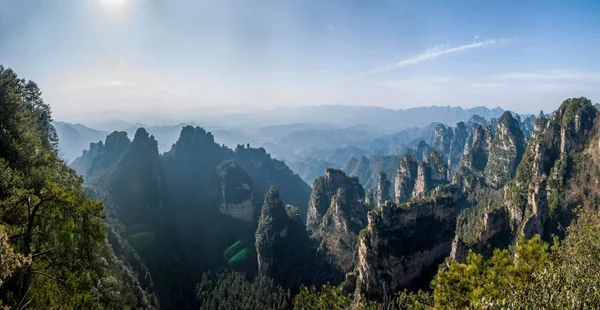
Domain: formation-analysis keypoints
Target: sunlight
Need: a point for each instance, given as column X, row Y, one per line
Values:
column 113, row 3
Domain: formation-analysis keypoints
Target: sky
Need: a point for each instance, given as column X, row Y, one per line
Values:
column 182, row 59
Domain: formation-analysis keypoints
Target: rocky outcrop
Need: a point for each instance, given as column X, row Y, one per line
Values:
column 400, row 243
column 418, row 179
column 543, row 169
column 101, row 156
column 405, row 178
column 339, row 229
column 324, row 188
column 430, row 174
column 237, row 192
column 506, row 150
column 469, row 174
column 336, row 230
column 272, row 227
column 457, row 146
column 442, row 139
column 494, row 232
column 370, row 199
column 383, row 189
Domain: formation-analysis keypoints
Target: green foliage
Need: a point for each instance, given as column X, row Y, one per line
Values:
column 329, row 297
column 56, row 255
column 469, row 223
column 231, row 290
column 482, row 283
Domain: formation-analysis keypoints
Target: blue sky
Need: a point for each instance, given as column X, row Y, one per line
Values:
column 181, row 58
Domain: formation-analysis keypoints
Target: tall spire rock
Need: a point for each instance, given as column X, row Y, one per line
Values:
column 442, row 139
column 405, row 179
column 272, row 226
column 457, row 146
column 506, row 150
column 430, row 174
column 383, row 189
column 336, row 214
column 136, row 181
column 323, row 190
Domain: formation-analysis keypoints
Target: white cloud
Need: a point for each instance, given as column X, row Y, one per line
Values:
column 432, row 53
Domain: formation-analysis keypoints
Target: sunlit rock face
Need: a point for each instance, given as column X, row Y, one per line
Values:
column 401, row 242
column 383, row 189
column 506, row 150
column 337, row 213
column 405, row 179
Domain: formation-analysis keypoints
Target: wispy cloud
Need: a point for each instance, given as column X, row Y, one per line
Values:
column 432, row 53
column 551, row 75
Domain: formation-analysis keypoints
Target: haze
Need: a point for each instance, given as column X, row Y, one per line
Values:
column 134, row 59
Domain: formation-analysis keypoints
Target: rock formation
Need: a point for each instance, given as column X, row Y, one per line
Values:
column 505, row 153
column 324, row 188
column 405, row 178
column 430, row 174
column 272, row 227
column 400, row 243
column 337, row 213
column 237, row 192
column 383, row 189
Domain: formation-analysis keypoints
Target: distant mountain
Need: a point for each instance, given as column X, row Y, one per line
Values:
column 74, row 138
column 342, row 115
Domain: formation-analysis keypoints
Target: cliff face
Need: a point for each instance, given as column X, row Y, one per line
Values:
column 383, row 189
column 442, row 139
column 400, row 243
column 237, row 191
column 346, row 214
column 323, row 190
column 506, row 151
column 272, row 227
column 555, row 166
column 405, row 178
column 430, row 174
column 457, row 146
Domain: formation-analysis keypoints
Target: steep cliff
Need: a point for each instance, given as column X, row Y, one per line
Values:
column 559, row 168
column 324, row 188
column 400, row 244
column 506, row 150
column 405, row 178
column 442, row 139
column 430, row 174
column 344, row 215
column 383, row 189
column 283, row 249
column 272, row 228
column 457, row 145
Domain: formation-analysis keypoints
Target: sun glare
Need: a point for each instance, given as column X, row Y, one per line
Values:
column 113, row 2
